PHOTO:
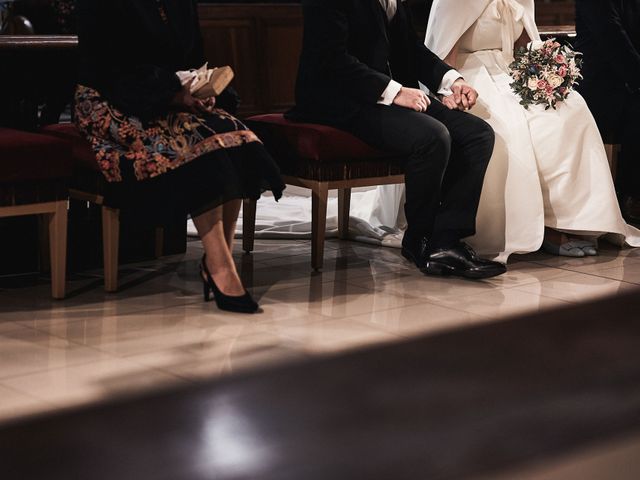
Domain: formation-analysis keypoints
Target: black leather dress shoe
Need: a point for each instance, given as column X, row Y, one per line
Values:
column 460, row 261
column 415, row 252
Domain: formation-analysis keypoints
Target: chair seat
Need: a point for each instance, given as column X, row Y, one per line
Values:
column 320, row 152
column 81, row 152
column 320, row 143
column 31, row 157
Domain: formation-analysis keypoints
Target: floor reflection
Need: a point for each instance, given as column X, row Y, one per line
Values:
column 157, row 331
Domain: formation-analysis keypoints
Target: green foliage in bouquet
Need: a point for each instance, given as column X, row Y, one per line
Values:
column 545, row 73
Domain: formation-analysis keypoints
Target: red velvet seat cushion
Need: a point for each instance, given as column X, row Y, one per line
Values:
column 27, row 157
column 315, row 142
column 82, row 153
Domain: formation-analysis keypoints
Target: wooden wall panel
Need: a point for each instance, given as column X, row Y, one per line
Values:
column 561, row 12
column 262, row 43
column 227, row 42
column 283, row 43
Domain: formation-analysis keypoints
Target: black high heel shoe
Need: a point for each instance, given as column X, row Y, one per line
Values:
column 241, row 304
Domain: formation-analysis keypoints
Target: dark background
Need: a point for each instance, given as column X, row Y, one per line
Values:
column 41, row 12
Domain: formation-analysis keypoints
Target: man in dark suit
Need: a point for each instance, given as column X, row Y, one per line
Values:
column 609, row 38
column 359, row 71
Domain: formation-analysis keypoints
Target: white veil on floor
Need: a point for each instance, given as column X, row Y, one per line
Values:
column 291, row 218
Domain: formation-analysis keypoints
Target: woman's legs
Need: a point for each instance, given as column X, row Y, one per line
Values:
column 230, row 212
column 211, row 229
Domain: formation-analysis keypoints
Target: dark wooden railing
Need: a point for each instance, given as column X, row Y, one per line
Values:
column 38, row 42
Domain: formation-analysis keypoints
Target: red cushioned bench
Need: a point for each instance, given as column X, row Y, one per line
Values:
column 34, row 174
column 320, row 158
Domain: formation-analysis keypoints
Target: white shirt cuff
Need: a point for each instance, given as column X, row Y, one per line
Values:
column 390, row 93
column 447, row 82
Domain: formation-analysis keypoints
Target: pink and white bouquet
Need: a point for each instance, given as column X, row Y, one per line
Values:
column 545, row 73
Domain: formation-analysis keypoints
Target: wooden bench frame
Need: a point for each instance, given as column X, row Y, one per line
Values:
column 111, row 237
column 55, row 217
column 319, row 201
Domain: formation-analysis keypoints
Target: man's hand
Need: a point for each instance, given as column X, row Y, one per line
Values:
column 464, row 96
column 412, row 98
column 183, row 101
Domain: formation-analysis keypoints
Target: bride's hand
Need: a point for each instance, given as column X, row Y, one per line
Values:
column 464, row 96
column 450, row 103
column 412, row 98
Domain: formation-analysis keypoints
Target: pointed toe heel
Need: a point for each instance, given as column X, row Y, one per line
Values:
column 238, row 304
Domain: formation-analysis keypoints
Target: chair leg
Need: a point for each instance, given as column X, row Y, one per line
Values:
column 44, row 244
column 612, row 156
column 58, row 249
column 616, row 155
column 248, row 224
column 110, row 244
column 158, row 242
column 344, row 207
column 319, row 199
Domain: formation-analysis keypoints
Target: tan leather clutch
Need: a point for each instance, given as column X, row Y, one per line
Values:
column 214, row 82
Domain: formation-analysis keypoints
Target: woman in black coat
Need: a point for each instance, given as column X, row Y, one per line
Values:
column 164, row 152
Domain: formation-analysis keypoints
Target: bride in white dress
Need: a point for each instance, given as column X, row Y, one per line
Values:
column 549, row 168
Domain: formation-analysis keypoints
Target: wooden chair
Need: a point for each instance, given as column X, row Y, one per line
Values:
column 88, row 185
column 34, row 174
column 320, row 158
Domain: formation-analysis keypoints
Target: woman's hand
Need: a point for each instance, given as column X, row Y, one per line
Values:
column 450, row 103
column 209, row 103
column 183, row 101
column 464, row 96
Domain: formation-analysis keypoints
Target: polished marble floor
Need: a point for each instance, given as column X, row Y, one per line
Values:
column 158, row 332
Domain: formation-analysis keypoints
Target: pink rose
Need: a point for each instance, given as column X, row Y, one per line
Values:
column 561, row 59
column 542, row 85
column 562, row 71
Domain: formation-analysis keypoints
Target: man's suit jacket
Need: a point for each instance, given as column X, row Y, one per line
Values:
column 609, row 38
column 351, row 52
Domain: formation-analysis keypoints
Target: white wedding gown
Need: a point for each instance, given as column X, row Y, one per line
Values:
column 549, row 167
